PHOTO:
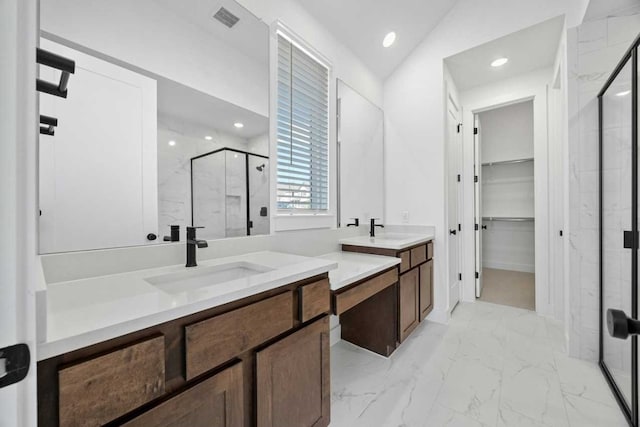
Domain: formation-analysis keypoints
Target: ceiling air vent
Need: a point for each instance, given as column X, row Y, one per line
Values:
column 226, row 17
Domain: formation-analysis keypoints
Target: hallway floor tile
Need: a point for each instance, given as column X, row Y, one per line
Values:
column 492, row 366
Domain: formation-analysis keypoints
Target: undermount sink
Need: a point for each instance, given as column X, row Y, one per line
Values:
column 200, row 277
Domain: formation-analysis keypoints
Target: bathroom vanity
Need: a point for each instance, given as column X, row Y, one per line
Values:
column 415, row 273
column 252, row 349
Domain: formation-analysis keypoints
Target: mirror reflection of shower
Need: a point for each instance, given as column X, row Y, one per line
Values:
column 230, row 193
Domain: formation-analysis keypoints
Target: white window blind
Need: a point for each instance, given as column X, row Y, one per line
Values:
column 303, row 131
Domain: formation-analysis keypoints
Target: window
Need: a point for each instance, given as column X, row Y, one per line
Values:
column 303, row 131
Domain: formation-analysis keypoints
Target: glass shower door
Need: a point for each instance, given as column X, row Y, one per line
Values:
column 618, row 235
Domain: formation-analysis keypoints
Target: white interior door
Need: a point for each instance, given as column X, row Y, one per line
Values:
column 17, row 206
column 478, row 203
column 454, row 137
column 98, row 174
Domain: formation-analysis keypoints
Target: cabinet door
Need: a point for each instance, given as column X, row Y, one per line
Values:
column 408, row 301
column 214, row 402
column 293, row 378
column 426, row 289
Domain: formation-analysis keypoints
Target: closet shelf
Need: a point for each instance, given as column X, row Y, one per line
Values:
column 508, row 180
column 508, row 218
column 509, row 162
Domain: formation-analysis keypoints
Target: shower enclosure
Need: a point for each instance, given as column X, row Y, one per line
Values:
column 230, row 194
column 618, row 133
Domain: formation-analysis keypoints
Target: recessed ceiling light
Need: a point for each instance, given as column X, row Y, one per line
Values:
column 623, row 93
column 499, row 62
column 238, row 125
column 389, row 39
column 172, row 143
column 208, row 137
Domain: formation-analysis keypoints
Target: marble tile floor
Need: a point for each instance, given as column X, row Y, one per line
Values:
column 492, row 366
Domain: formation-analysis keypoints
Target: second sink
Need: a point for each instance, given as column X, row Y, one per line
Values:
column 190, row 280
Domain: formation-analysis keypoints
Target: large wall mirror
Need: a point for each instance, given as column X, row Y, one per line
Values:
column 360, row 157
column 165, row 123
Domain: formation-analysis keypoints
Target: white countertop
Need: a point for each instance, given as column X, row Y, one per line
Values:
column 397, row 241
column 88, row 311
column 353, row 267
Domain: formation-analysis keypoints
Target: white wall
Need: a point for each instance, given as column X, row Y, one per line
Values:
column 18, row 189
column 346, row 66
column 413, row 96
column 594, row 50
column 507, row 133
column 141, row 33
column 259, row 144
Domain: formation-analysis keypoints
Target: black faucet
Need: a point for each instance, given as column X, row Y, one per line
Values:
column 175, row 234
column 356, row 223
column 372, row 231
column 192, row 242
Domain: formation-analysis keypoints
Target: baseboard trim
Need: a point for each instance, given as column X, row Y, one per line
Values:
column 439, row 316
column 525, row 268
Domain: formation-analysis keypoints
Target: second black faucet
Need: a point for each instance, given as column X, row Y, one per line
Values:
column 372, row 230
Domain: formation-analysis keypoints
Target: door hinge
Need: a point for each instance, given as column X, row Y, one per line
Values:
column 628, row 239
column 459, row 227
column 476, row 227
column 458, row 177
column 475, row 131
column 459, row 276
column 458, row 127
column 14, row 364
column 475, row 178
column 477, row 275
column 561, row 233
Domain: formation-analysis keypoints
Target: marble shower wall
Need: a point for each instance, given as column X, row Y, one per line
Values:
column 174, row 175
column 594, row 49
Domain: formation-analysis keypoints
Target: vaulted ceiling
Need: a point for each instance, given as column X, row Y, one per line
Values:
column 362, row 24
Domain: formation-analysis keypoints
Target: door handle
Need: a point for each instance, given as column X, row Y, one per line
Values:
column 452, row 232
column 620, row 325
column 484, row 227
column 14, row 361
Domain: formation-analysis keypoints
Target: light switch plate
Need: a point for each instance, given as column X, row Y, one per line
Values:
column 405, row 217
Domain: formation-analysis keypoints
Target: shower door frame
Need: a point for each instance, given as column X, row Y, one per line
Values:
column 630, row 413
column 246, row 169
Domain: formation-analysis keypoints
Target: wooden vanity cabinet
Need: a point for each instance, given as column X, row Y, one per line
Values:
column 426, row 289
column 262, row 360
column 409, row 295
column 415, row 287
column 214, row 402
column 293, row 379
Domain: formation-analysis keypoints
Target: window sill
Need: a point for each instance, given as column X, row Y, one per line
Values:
column 301, row 221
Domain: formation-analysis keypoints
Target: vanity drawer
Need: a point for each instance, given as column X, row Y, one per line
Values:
column 343, row 301
column 429, row 250
column 211, row 342
column 214, row 402
column 418, row 255
column 102, row 389
column 405, row 261
column 314, row 299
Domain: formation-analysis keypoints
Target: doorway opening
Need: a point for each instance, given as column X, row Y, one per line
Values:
column 511, row 95
column 505, row 205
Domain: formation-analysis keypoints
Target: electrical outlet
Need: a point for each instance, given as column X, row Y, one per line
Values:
column 405, row 217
